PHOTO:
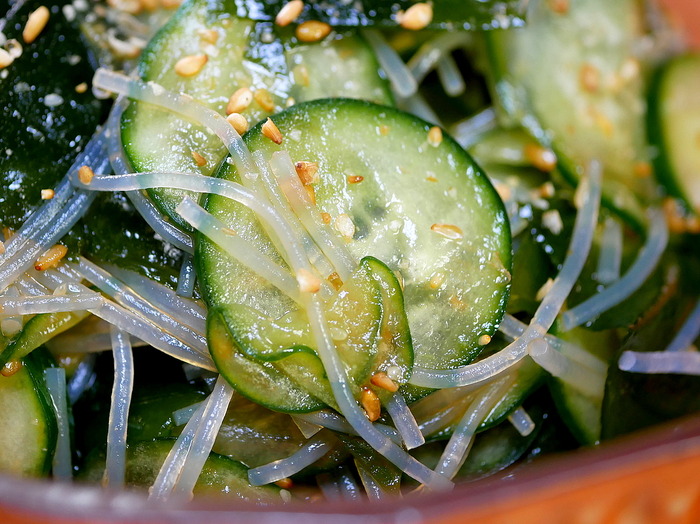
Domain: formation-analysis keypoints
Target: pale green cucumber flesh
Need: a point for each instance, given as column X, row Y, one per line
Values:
column 246, row 54
column 408, row 187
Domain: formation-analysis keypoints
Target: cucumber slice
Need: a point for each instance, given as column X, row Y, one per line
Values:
column 408, row 186
column 28, row 428
column 245, row 54
column 38, row 330
column 674, row 127
column 219, row 475
column 573, row 80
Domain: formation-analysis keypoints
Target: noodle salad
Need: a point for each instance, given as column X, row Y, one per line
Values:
column 291, row 250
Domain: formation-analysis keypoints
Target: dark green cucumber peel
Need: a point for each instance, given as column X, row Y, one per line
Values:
column 447, row 14
column 673, row 128
column 343, row 136
column 585, row 101
column 246, row 54
column 28, row 429
column 41, row 137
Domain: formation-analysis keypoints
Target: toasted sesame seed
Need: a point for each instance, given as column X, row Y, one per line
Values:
column 264, row 100
column 271, row 131
column 5, row 59
column 239, row 101
column 238, row 122
column 312, row 31
column 642, row 169
column 171, row 4
column 190, row 65
column 561, row 7
column 384, row 130
column 436, row 280
column 210, row 36
column 540, row 157
column 326, row 217
column 431, row 178
column 589, row 77
column 311, row 192
column 345, row 226
column 456, row 303
column 307, row 171
column 228, row 231
column 335, row 280
column 435, row 136
column 199, row 159
column 51, row 257
column 47, row 194
column 85, row 175
column 484, row 339
column 382, row 380
column 2, row 247
column 81, row 88
column 301, row 75
column 10, row 368
column 150, row 5
column 7, row 233
column 371, row 404
column 289, row 13
column 285, row 483
column 355, row 179
column 308, row 282
column 416, row 17
column 35, row 24
column 448, row 231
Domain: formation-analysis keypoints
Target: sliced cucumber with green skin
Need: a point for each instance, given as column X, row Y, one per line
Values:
column 579, row 411
column 260, row 382
column 37, row 331
column 245, row 54
column 28, row 428
column 573, row 80
column 674, row 127
column 410, row 193
column 219, row 475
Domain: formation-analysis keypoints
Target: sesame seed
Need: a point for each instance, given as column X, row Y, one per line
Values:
column 308, row 282
column 289, row 13
column 81, row 88
column 10, row 368
column 335, row 280
column 2, row 247
column 326, row 217
column 456, row 303
column 171, row 4
column 312, row 31
column 238, row 122
column 210, row 36
column 190, row 65
column 301, row 75
column 355, row 179
column 311, row 192
column 448, row 231
column 150, row 5
column 552, row 220
column 264, row 100
column 239, row 101
column 5, row 59
column 199, row 159
column 561, row 7
column 382, row 380
column 642, row 169
column 85, row 175
column 540, row 157
column 371, row 404
column 416, row 17
column 484, row 339
column 35, row 24
column 47, row 194
column 589, row 77
column 345, row 226
column 435, row 136
column 394, row 373
column 285, row 483
column 436, row 280
column 431, row 178
column 384, row 130
column 271, row 131
column 306, row 171
column 51, row 257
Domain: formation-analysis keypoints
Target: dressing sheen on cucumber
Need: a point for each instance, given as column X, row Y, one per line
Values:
column 239, row 54
column 425, row 210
